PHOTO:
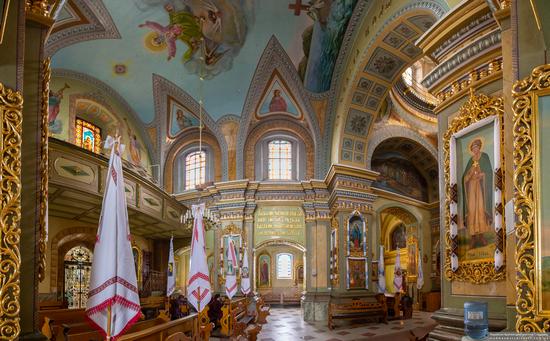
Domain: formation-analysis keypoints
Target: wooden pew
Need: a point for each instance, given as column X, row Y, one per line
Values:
column 144, row 331
column 239, row 321
column 51, row 320
column 357, row 309
column 69, row 329
column 262, row 310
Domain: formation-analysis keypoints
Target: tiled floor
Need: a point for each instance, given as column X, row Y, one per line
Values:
column 288, row 324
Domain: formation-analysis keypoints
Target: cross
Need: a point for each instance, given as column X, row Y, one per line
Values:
column 298, row 7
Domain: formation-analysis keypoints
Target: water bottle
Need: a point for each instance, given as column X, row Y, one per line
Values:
column 476, row 322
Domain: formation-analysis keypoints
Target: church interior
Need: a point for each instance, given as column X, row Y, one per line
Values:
column 372, row 169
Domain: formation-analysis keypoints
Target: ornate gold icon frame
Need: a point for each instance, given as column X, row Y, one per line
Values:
column 478, row 111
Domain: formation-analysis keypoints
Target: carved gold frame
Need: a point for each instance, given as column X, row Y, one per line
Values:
column 44, row 174
column 526, row 92
column 477, row 108
column 11, row 114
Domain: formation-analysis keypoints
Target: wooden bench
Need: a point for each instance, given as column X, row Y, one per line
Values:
column 262, row 310
column 149, row 330
column 357, row 309
column 239, row 321
column 51, row 320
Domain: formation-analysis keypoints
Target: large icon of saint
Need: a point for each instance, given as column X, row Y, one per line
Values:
column 477, row 187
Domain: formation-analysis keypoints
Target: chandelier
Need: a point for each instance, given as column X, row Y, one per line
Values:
column 210, row 220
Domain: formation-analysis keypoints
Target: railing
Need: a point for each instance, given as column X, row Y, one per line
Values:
column 155, row 281
column 421, row 102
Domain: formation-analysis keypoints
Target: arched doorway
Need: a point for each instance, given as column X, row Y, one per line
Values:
column 399, row 234
column 77, row 265
column 279, row 271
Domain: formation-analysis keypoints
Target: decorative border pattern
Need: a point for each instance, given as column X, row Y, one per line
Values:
column 100, row 26
column 476, row 109
column 11, row 111
column 525, row 119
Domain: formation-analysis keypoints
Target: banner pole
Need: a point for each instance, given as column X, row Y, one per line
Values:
column 108, row 323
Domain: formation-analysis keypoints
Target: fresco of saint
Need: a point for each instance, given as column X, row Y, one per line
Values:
column 264, row 272
column 277, row 103
column 477, row 184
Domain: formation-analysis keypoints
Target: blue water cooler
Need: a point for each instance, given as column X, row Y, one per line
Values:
column 476, row 320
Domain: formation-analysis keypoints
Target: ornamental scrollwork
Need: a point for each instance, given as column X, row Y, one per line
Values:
column 43, row 207
column 477, row 108
column 530, row 315
column 11, row 113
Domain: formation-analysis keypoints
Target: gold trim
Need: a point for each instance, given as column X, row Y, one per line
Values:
column 480, row 271
column 11, row 113
column 43, row 208
column 4, row 19
column 526, row 181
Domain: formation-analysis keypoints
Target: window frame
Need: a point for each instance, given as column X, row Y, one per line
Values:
column 280, row 159
column 261, row 157
column 179, row 168
column 291, row 265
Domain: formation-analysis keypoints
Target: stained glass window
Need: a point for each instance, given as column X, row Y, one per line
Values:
column 284, row 266
column 280, row 160
column 88, row 136
column 195, row 169
column 78, row 264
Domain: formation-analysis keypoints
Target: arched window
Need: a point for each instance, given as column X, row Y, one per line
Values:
column 284, row 266
column 280, row 160
column 78, row 265
column 408, row 76
column 195, row 169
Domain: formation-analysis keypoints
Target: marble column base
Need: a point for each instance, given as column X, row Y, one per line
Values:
column 315, row 306
column 451, row 325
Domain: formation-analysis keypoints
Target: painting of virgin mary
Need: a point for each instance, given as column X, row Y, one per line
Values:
column 356, row 236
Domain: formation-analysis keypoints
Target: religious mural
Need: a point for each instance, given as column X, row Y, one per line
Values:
column 180, row 118
column 214, row 30
column 356, row 237
column 55, row 125
column 264, row 271
column 322, row 41
column 398, row 237
column 357, row 270
column 400, row 176
column 276, row 100
column 474, row 166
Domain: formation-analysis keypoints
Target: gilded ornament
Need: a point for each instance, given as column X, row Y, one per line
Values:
column 11, row 111
column 477, row 108
column 43, row 208
column 530, row 317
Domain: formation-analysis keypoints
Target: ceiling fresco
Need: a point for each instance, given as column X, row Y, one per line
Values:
column 171, row 37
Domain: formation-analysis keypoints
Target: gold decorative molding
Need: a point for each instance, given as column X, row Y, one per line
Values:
column 11, row 113
column 43, row 208
column 526, row 181
column 41, row 11
column 475, row 78
column 477, row 108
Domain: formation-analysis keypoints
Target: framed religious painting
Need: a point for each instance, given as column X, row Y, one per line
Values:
column 474, row 173
column 374, row 271
column 264, row 271
column 357, row 235
column 230, row 232
column 531, row 132
column 357, row 273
